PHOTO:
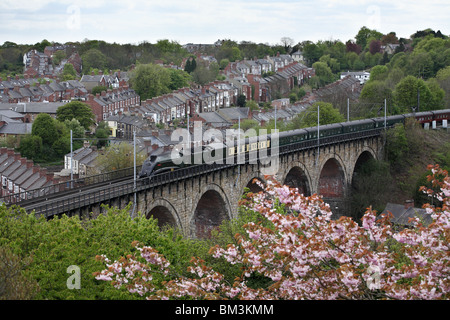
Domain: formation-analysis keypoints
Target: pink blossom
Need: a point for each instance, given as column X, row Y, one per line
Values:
column 307, row 255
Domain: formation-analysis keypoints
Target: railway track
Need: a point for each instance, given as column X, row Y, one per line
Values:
column 70, row 191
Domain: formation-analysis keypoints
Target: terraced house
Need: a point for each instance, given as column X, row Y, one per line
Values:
column 28, row 90
column 93, row 80
column 264, row 80
column 18, row 174
column 189, row 101
column 112, row 102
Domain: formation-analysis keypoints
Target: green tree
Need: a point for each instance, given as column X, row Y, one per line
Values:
column 94, row 58
column 430, row 43
column 98, row 89
column 224, row 63
column 187, row 66
column 410, row 92
column 399, row 60
column 378, row 73
column 364, row 34
column 241, row 100
column 437, row 94
column 252, row 105
column 78, row 132
column 69, row 72
column 179, row 79
column 292, row 97
column 443, row 78
column 312, row 53
column 374, row 93
column 30, row 146
column 349, row 59
column 421, row 65
column 324, row 73
column 150, row 80
column 13, row 284
column 47, row 249
column 48, row 141
column 102, row 132
column 12, row 59
column 359, row 65
column 397, row 147
column 165, row 45
column 327, row 115
column 204, row 74
column 193, row 65
column 235, row 54
column 331, row 62
column 40, row 46
column 76, row 110
column 246, row 124
column 61, row 146
column 394, row 77
column 58, row 56
column 119, row 156
column 371, row 60
column 45, row 127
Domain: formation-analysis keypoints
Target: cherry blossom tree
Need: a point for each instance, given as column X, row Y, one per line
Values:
column 304, row 254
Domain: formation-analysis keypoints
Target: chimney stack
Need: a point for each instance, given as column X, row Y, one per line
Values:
column 30, row 164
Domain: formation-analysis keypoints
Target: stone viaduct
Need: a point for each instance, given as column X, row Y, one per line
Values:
column 199, row 198
column 199, row 203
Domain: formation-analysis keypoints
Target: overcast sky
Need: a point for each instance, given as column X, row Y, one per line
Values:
column 205, row 21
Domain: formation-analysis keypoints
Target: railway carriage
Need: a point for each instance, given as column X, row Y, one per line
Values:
column 422, row 117
column 330, row 130
column 357, row 125
column 293, row 136
column 440, row 115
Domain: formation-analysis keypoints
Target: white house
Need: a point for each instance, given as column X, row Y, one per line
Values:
column 297, row 56
column 362, row 76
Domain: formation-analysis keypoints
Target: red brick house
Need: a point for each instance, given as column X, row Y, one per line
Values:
column 112, row 102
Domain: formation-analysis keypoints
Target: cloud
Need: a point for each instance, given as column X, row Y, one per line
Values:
column 266, row 21
column 37, row 5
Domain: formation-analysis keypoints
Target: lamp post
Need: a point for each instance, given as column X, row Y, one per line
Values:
column 134, row 171
column 71, row 159
column 385, row 114
column 238, row 157
column 318, row 133
column 134, row 156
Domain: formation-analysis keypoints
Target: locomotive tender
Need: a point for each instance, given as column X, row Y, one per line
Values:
column 250, row 146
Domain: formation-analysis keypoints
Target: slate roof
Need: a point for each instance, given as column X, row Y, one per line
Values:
column 33, row 107
column 215, row 119
column 402, row 214
column 16, row 128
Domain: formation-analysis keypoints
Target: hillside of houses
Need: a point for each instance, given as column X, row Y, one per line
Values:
column 214, row 104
